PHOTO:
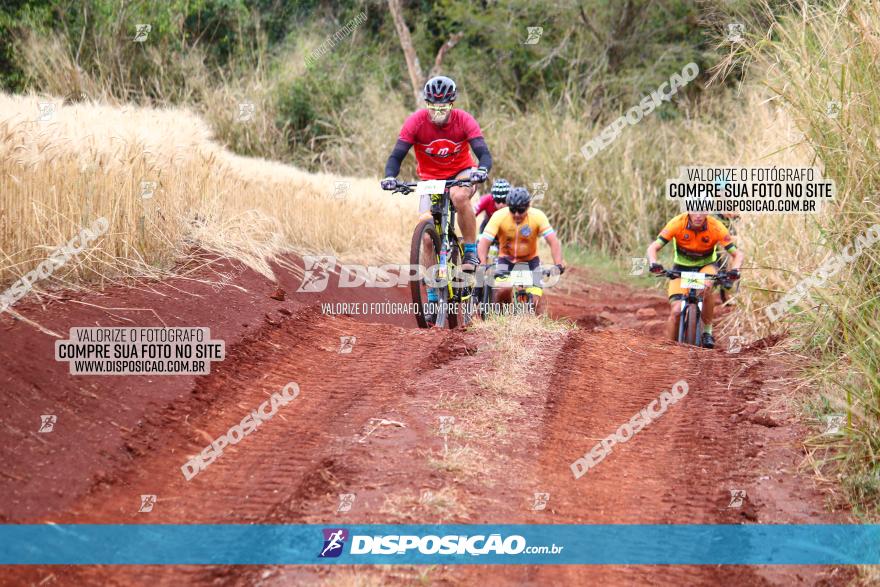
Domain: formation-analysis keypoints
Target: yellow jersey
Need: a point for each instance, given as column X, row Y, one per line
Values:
column 519, row 242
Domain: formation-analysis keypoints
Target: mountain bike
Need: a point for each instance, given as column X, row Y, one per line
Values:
column 690, row 321
column 526, row 285
column 483, row 288
column 454, row 287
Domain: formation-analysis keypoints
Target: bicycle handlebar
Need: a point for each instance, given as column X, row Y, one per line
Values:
column 408, row 187
column 676, row 274
column 546, row 270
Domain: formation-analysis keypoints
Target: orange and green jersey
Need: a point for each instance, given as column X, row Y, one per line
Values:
column 696, row 246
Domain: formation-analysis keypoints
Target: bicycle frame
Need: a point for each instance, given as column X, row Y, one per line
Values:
column 443, row 218
column 693, row 298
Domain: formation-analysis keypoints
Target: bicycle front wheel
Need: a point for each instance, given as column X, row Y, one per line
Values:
column 692, row 334
column 425, row 254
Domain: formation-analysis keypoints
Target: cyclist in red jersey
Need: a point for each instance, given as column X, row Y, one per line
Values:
column 490, row 203
column 443, row 137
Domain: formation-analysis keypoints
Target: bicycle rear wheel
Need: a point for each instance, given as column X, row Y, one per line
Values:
column 418, row 289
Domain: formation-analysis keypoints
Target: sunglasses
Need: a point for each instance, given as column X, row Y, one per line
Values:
column 439, row 107
column 518, row 210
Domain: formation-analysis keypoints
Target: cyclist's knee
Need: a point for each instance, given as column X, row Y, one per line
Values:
column 461, row 198
column 675, row 308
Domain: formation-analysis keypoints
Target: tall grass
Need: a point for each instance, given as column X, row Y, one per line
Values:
column 824, row 54
column 615, row 201
column 58, row 176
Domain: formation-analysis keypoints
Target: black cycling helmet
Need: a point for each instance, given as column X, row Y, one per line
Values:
column 439, row 90
column 519, row 198
column 500, row 189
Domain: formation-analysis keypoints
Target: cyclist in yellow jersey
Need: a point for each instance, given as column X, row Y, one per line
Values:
column 517, row 229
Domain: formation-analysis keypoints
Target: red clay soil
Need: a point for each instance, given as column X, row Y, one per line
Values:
column 117, row 438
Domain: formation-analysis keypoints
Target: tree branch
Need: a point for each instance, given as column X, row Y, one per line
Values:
column 409, row 52
column 590, row 26
column 441, row 53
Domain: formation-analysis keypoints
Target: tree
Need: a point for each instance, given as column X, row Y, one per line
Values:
column 416, row 77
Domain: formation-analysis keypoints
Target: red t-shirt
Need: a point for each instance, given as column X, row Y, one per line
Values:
column 487, row 205
column 441, row 151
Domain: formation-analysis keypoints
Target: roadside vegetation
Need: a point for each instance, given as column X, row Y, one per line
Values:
column 91, row 160
column 822, row 65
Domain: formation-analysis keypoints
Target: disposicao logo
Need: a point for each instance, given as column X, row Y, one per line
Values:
column 334, row 541
column 316, row 273
column 446, row 545
column 410, row 544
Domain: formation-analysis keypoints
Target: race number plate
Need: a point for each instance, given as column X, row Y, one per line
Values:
column 431, row 186
column 693, row 280
column 522, row 277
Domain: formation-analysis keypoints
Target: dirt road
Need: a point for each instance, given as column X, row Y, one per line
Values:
column 366, row 423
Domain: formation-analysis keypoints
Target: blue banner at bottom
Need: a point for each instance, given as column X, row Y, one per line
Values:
column 494, row 544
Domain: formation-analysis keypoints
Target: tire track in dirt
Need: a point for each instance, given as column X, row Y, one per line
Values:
column 288, row 470
column 102, row 419
column 678, row 470
column 506, row 445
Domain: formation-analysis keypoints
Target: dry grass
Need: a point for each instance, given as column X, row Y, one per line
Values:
column 773, row 258
column 514, row 341
column 58, row 176
column 459, row 460
column 828, row 53
column 428, row 507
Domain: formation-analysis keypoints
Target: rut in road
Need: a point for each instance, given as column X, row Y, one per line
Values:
column 679, row 470
column 293, row 467
column 578, row 387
